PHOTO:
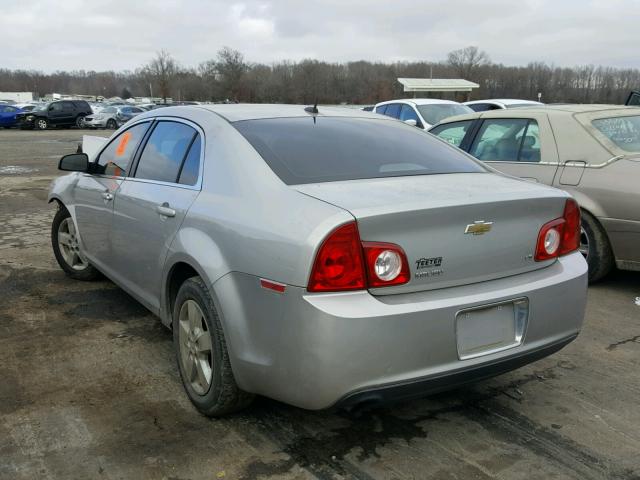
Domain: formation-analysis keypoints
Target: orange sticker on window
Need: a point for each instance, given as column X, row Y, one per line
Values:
column 122, row 146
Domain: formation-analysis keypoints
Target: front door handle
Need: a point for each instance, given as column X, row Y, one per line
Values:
column 107, row 196
column 165, row 210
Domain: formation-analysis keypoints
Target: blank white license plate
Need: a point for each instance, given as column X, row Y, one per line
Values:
column 491, row 328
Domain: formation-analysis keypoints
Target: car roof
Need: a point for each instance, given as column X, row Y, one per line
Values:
column 556, row 109
column 419, row 101
column 254, row 111
column 504, row 101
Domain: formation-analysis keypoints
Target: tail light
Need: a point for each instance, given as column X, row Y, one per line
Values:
column 560, row 236
column 344, row 263
column 339, row 265
column 386, row 264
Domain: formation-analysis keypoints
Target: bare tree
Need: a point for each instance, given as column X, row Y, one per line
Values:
column 466, row 60
column 231, row 69
column 162, row 70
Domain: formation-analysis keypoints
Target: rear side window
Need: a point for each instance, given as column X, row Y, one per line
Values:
column 191, row 166
column 507, row 140
column 165, row 151
column 325, row 149
column 623, row 131
column 116, row 158
column 452, row 132
column 393, row 110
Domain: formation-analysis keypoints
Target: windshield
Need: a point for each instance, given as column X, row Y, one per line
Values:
column 42, row 107
column 327, row 149
column 623, row 131
column 435, row 113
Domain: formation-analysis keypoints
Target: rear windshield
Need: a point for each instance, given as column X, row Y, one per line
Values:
column 436, row 112
column 328, row 149
column 623, row 131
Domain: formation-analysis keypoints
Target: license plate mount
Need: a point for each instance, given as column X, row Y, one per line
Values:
column 491, row 328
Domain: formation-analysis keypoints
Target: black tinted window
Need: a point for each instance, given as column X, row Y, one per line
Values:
column 480, row 107
column 163, row 154
column 300, row 150
column 116, row 158
column 191, row 166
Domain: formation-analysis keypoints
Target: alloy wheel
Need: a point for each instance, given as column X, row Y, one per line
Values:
column 195, row 347
column 69, row 246
column 584, row 243
column 42, row 124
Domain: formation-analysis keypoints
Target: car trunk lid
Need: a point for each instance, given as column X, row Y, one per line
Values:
column 456, row 229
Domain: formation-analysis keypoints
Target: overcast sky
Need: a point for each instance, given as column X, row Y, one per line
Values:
column 124, row 34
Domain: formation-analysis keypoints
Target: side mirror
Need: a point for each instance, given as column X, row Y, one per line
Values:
column 50, row 109
column 411, row 122
column 74, row 162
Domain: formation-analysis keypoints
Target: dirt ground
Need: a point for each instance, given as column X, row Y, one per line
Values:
column 89, row 386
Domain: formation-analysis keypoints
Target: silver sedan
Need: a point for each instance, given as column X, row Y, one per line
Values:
column 321, row 258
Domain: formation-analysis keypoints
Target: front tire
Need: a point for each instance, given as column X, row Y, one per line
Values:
column 595, row 247
column 201, row 352
column 41, row 124
column 66, row 248
column 80, row 121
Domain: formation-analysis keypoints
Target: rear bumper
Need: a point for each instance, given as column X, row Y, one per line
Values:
column 438, row 383
column 314, row 350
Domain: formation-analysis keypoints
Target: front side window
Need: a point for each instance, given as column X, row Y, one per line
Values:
column 507, row 140
column 452, row 132
column 55, row 107
column 408, row 113
column 624, row 132
column 165, row 151
column 334, row 149
column 116, row 158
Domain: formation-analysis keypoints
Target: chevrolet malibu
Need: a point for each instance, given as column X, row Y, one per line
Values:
column 323, row 257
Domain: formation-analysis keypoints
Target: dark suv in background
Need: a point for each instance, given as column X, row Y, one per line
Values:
column 64, row 113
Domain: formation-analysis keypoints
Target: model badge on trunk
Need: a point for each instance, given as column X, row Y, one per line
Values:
column 479, row 227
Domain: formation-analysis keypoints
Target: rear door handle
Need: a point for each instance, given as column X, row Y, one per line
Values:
column 165, row 210
column 107, row 196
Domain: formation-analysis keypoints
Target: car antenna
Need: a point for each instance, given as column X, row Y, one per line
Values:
column 313, row 109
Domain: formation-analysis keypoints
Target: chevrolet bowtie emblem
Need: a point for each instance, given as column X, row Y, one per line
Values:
column 479, row 227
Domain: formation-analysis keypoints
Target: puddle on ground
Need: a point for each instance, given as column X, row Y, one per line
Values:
column 16, row 170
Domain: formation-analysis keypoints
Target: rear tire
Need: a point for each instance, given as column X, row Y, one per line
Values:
column 66, row 248
column 201, row 353
column 595, row 247
column 111, row 124
column 80, row 121
column 41, row 124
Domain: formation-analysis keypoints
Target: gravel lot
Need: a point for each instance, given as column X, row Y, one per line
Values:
column 89, row 386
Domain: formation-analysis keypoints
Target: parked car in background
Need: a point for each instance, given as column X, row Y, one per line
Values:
column 8, row 115
column 368, row 108
column 499, row 104
column 421, row 112
column 62, row 113
column 592, row 151
column 27, row 107
column 325, row 258
column 112, row 117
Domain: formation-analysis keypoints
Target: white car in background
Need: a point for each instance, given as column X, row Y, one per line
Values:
column 421, row 112
column 500, row 104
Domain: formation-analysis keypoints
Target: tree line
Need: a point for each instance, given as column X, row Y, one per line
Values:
column 230, row 77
